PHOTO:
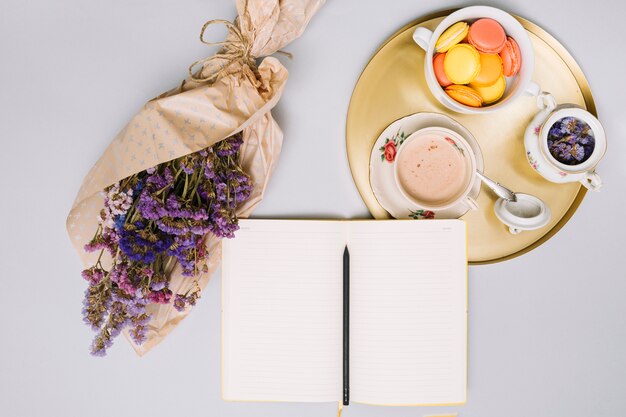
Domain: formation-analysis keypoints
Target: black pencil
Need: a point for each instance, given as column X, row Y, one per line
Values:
column 346, row 326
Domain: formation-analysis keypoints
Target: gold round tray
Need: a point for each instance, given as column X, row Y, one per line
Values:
column 392, row 86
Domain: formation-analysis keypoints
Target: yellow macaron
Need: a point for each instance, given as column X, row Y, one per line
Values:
column 491, row 93
column 462, row 63
column 464, row 95
column 451, row 36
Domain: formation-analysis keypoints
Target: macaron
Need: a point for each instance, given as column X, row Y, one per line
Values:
column 487, row 36
column 511, row 57
column 465, row 95
column 439, row 72
column 491, row 93
column 490, row 69
column 451, row 36
column 461, row 63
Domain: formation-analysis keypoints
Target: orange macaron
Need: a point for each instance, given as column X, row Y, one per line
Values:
column 487, row 36
column 464, row 95
column 440, row 74
column 511, row 57
column 490, row 69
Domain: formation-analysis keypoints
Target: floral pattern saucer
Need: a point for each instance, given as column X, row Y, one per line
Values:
column 382, row 172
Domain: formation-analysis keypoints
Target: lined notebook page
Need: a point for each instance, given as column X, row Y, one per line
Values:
column 281, row 311
column 408, row 320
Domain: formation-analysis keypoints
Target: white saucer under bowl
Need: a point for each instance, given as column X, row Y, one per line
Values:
column 382, row 170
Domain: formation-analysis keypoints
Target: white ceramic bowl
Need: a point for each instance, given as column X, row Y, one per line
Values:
column 515, row 86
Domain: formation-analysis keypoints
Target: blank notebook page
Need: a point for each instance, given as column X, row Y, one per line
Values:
column 281, row 311
column 408, row 317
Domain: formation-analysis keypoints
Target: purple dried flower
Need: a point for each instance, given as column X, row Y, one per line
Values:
column 115, row 323
column 96, row 302
column 151, row 218
column 180, row 302
column 230, row 146
column 93, row 275
column 160, row 297
column 570, row 141
column 138, row 333
column 157, row 286
column 160, row 181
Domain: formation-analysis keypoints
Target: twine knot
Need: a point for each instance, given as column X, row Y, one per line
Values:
column 236, row 48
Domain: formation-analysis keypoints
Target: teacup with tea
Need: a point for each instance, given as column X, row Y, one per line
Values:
column 435, row 169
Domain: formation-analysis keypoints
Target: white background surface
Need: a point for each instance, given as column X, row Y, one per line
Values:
column 547, row 331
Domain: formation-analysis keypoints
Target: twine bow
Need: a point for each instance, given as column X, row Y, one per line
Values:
column 236, row 48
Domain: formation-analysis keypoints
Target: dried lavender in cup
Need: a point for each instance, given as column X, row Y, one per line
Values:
column 571, row 141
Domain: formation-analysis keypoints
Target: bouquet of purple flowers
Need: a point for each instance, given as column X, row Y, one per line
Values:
column 150, row 214
column 150, row 221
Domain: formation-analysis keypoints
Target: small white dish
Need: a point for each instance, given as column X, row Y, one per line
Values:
column 382, row 171
column 527, row 213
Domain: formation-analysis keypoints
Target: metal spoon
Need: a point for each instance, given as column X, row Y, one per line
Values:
column 500, row 190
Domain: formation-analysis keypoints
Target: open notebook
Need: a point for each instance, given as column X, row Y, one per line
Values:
column 282, row 311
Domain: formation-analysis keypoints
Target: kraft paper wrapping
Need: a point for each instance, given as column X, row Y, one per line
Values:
column 194, row 116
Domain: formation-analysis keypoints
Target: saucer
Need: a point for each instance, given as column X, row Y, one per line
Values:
column 382, row 171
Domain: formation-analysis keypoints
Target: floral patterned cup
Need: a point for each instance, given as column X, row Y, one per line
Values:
column 461, row 146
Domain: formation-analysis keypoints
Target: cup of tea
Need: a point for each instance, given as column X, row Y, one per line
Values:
column 435, row 169
column 516, row 85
